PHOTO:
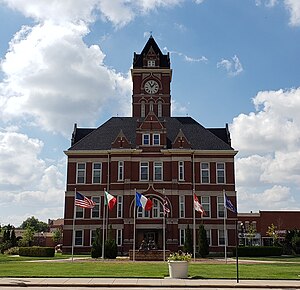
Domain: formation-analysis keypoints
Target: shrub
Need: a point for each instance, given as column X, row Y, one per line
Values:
column 12, row 251
column 37, row 251
column 96, row 250
column 203, row 242
column 111, row 249
column 179, row 256
column 188, row 243
column 258, row 251
column 5, row 246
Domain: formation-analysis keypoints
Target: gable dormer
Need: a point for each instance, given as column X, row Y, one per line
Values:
column 121, row 142
column 181, row 142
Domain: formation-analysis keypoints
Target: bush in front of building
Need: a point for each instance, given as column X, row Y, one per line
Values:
column 203, row 242
column 96, row 250
column 12, row 251
column 188, row 243
column 37, row 251
column 258, row 251
column 111, row 249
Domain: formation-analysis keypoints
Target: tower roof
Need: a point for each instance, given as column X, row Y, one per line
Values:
column 151, row 43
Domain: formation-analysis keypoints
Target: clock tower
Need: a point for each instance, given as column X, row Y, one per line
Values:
column 151, row 77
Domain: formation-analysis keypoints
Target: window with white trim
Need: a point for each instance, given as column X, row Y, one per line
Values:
column 181, row 206
column 80, row 173
column 78, row 239
column 151, row 106
column 157, row 209
column 181, row 237
column 142, row 213
column 144, row 171
column 208, row 236
column 143, row 110
column 119, row 206
column 221, row 238
column 96, row 208
column 146, row 139
column 79, row 214
column 151, row 62
column 92, row 236
column 204, row 172
column 220, row 205
column 220, row 172
column 156, row 139
column 205, row 202
column 120, row 170
column 159, row 109
column 158, row 170
column 97, row 172
column 119, row 237
column 180, row 170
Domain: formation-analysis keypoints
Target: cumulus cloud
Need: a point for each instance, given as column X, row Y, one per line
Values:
column 268, row 165
column 293, row 6
column 232, row 66
column 186, row 57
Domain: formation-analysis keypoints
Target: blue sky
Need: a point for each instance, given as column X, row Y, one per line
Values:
column 66, row 62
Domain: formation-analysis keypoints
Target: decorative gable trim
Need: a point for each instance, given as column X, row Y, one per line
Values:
column 121, row 141
column 181, row 141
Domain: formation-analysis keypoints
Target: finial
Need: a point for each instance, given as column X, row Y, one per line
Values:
column 151, row 34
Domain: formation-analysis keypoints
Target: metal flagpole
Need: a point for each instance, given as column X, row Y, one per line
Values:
column 164, row 227
column 103, row 225
column 225, row 233
column 194, row 226
column 236, row 251
column 134, row 213
column 73, row 230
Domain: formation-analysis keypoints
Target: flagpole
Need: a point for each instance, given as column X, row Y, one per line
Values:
column 194, row 226
column 134, row 213
column 103, row 226
column 225, row 234
column 164, row 229
column 73, row 230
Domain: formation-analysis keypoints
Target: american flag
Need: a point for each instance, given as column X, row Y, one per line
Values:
column 229, row 205
column 165, row 206
column 83, row 201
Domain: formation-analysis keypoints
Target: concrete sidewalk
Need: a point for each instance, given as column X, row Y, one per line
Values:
column 139, row 282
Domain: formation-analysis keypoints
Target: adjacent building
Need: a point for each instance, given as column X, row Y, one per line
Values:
column 160, row 156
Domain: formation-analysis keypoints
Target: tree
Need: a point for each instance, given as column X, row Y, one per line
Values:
column 272, row 232
column 188, row 243
column 203, row 242
column 57, row 236
column 28, row 237
column 35, row 224
column 96, row 250
column 251, row 233
column 13, row 238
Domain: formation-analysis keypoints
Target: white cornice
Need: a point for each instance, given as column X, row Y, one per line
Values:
column 97, row 152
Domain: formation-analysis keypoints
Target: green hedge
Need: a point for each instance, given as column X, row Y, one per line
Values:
column 258, row 251
column 37, row 251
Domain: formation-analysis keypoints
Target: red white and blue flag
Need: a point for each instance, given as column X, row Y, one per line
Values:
column 82, row 201
column 109, row 200
column 143, row 201
column 229, row 205
column 165, row 206
column 198, row 206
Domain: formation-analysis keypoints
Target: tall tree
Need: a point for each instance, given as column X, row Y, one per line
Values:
column 188, row 243
column 203, row 242
column 35, row 224
column 57, row 236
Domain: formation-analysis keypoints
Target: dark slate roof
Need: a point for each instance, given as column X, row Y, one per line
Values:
column 164, row 58
column 103, row 137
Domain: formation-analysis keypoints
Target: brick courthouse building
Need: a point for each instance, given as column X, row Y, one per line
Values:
column 156, row 154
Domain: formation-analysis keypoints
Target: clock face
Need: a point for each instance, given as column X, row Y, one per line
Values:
column 151, row 87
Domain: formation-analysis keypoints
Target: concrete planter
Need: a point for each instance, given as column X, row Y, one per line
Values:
column 178, row 269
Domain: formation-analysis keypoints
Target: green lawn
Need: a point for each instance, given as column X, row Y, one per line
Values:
column 21, row 267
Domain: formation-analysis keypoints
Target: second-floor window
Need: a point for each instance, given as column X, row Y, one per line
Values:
column 97, row 172
column 181, row 206
column 157, row 210
column 158, row 170
column 121, row 170
column 120, row 206
column 80, row 173
column 220, row 205
column 220, row 172
column 205, row 172
column 96, row 208
column 144, row 171
column 146, row 139
column 156, row 139
column 205, row 202
column 181, row 170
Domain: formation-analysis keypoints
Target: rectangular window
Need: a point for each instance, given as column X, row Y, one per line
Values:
column 205, row 172
column 220, row 206
column 157, row 210
column 158, row 169
column 208, row 236
column 181, row 170
column 181, row 206
column 221, row 238
column 220, row 172
column 142, row 213
column 79, row 212
column 96, row 208
column 119, row 238
column 93, row 236
column 97, row 172
column 181, row 237
column 205, row 202
column 146, row 139
column 156, row 139
column 151, row 63
column 78, row 238
column 80, row 173
column 119, row 206
column 144, row 171
column 121, row 170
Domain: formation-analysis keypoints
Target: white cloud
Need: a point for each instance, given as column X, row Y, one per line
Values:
column 293, row 7
column 268, row 165
column 48, row 80
column 233, row 66
column 185, row 57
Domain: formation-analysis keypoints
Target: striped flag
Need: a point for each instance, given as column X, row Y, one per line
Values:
column 198, row 206
column 165, row 206
column 82, row 201
column 143, row 201
column 229, row 205
column 109, row 200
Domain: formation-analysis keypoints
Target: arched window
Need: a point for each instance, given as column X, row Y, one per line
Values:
column 157, row 210
column 151, row 106
column 143, row 109
column 159, row 109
